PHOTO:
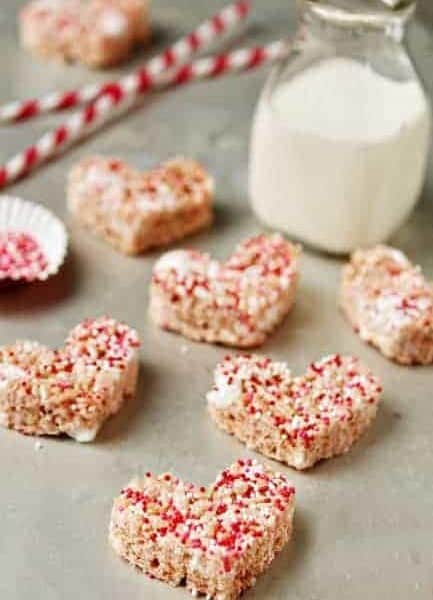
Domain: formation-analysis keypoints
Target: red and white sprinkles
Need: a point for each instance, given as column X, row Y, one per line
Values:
column 71, row 390
column 390, row 304
column 215, row 535
column 103, row 343
column 33, row 241
column 21, row 257
column 290, row 418
column 237, row 302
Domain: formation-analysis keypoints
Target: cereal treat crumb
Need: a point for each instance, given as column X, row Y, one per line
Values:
column 72, row 390
column 237, row 303
column 217, row 539
column 136, row 211
column 390, row 304
column 98, row 33
column 297, row 420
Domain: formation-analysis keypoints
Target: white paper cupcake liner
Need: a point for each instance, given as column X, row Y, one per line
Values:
column 19, row 216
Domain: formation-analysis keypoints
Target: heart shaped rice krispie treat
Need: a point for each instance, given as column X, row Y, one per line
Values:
column 238, row 302
column 98, row 33
column 217, row 539
column 136, row 211
column 297, row 420
column 390, row 304
column 72, row 390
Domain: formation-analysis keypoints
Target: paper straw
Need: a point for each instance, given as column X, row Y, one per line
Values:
column 202, row 37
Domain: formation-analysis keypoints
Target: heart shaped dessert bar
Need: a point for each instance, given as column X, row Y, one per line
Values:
column 390, row 304
column 297, row 420
column 72, row 390
column 98, row 33
column 136, row 211
column 237, row 302
column 217, row 539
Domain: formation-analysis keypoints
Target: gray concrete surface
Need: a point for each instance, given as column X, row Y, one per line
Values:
column 364, row 522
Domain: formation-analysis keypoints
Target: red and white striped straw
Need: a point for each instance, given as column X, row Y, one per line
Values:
column 119, row 96
column 203, row 36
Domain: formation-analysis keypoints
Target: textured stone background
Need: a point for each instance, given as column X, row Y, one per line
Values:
column 364, row 522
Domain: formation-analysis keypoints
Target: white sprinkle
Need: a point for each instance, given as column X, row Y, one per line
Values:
column 113, row 23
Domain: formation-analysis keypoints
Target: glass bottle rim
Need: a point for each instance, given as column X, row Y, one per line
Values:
column 393, row 12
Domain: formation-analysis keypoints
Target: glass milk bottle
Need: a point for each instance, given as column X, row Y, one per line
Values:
column 341, row 132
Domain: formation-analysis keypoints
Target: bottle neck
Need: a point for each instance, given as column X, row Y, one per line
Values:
column 327, row 19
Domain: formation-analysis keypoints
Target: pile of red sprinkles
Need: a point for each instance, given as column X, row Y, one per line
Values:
column 21, row 257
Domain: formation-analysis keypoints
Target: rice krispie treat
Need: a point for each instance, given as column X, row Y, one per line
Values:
column 297, row 420
column 238, row 302
column 98, row 33
column 72, row 390
column 390, row 304
column 136, row 211
column 217, row 540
